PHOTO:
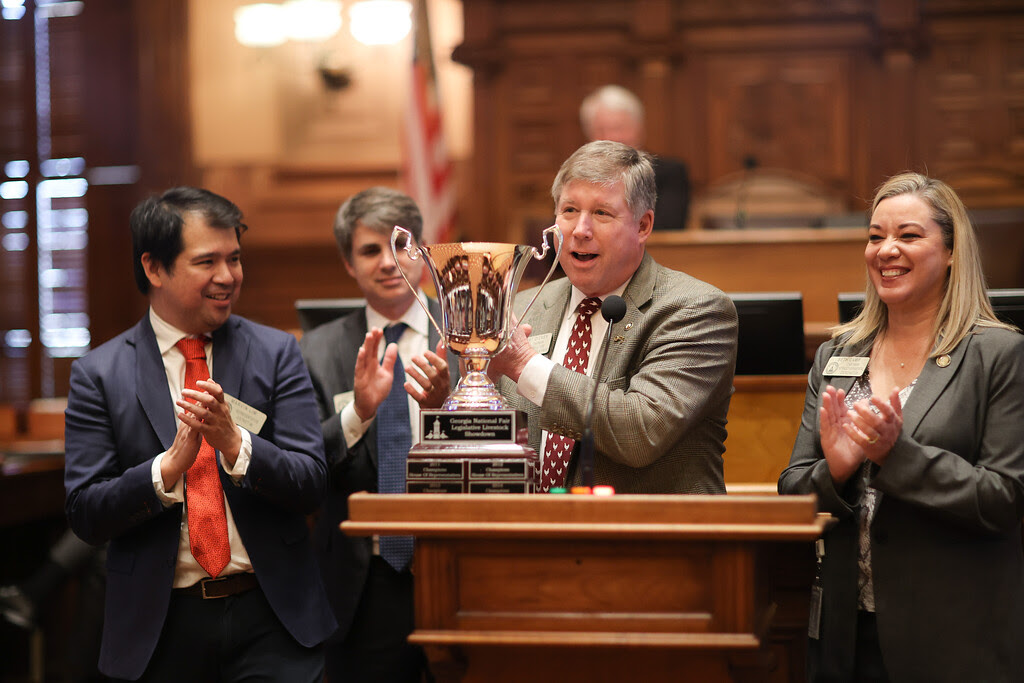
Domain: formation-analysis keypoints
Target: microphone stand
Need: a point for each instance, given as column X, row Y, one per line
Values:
column 613, row 309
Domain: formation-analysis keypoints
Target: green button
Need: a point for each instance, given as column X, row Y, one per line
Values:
column 558, row 489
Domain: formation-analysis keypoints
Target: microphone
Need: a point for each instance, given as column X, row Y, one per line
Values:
column 613, row 309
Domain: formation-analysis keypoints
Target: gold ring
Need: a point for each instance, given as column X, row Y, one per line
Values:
column 874, row 440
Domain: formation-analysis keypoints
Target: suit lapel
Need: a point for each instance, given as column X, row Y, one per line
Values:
column 932, row 381
column 352, row 335
column 151, row 383
column 637, row 294
column 550, row 309
column 230, row 354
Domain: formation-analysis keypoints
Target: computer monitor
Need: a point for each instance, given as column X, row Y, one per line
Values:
column 1007, row 303
column 315, row 312
column 771, row 333
column 850, row 304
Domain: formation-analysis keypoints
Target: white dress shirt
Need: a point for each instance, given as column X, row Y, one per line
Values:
column 187, row 570
column 413, row 342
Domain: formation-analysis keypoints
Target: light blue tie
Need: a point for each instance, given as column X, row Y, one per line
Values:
column 394, row 439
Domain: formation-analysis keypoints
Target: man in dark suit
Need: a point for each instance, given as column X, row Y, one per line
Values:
column 358, row 390
column 613, row 113
column 662, row 398
column 210, row 572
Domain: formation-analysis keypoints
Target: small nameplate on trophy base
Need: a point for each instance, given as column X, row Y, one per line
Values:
column 435, row 469
column 428, row 486
column 499, row 487
column 479, row 426
column 473, row 451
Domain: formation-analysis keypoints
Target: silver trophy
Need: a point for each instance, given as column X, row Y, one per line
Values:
column 476, row 283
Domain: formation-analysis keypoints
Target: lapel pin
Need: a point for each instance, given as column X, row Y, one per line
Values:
column 629, row 326
column 619, row 339
column 943, row 360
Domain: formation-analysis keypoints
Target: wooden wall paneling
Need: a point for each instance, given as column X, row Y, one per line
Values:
column 165, row 115
column 111, row 116
column 789, row 112
column 19, row 375
column 972, row 121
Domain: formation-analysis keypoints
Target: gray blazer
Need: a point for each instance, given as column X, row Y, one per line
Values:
column 330, row 354
column 946, row 551
column 659, row 418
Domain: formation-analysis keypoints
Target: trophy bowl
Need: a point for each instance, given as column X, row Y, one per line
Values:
column 476, row 283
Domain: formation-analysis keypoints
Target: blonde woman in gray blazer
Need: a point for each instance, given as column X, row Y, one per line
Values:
column 913, row 438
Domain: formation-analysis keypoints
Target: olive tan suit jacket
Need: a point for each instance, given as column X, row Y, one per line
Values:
column 662, row 399
column 947, row 565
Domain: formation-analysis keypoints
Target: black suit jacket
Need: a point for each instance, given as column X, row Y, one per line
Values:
column 673, row 183
column 330, row 354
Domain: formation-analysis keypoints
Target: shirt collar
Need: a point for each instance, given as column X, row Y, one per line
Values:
column 577, row 296
column 414, row 317
column 167, row 335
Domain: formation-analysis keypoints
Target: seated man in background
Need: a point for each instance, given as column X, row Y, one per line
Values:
column 613, row 113
column 661, row 403
column 369, row 422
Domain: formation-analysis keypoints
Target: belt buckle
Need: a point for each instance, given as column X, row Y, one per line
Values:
column 202, row 587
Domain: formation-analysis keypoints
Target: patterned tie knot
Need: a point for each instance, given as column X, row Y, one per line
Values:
column 589, row 306
column 192, row 349
column 392, row 333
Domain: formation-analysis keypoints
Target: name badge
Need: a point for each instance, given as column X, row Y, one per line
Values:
column 343, row 399
column 244, row 415
column 846, row 366
column 541, row 343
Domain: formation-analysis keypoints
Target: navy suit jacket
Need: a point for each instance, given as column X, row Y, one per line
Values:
column 120, row 416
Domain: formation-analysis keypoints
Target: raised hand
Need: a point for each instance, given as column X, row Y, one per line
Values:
column 431, row 376
column 843, row 454
column 372, row 382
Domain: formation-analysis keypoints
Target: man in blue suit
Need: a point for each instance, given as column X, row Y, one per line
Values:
column 211, row 574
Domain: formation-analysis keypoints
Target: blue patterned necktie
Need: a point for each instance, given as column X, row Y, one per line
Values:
column 394, row 439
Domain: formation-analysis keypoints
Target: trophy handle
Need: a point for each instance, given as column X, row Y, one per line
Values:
column 413, row 253
column 538, row 255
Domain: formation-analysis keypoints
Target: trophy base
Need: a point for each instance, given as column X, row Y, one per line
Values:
column 472, row 451
column 475, row 392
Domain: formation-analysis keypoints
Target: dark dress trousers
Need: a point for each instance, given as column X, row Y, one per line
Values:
column 120, row 416
column 947, row 563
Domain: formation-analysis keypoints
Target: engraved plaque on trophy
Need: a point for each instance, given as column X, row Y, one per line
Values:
column 475, row 443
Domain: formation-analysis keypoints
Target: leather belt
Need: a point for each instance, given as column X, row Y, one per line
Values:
column 222, row 587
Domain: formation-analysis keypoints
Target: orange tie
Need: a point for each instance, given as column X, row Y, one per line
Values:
column 204, row 497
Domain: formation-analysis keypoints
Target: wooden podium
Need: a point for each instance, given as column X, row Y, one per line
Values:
column 623, row 588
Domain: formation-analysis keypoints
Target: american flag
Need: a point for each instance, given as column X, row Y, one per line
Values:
column 428, row 170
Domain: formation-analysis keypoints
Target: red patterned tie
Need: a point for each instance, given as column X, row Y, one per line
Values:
column 558, row 449
column 207, row 522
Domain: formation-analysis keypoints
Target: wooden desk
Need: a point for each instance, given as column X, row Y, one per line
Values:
column 764, row 416
column 819, row 263
column 584, row 588
column 31, row 481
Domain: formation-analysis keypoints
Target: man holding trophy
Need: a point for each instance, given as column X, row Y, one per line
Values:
column 659, row 410
column 369, row 420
